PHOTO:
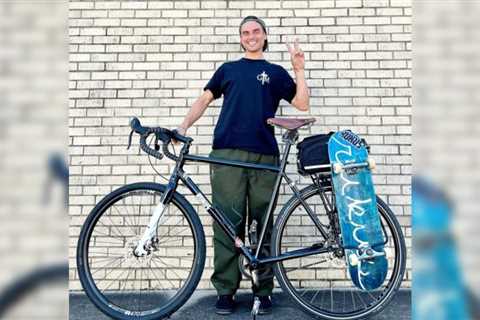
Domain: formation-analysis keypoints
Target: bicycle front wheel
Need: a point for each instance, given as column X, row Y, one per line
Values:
column 119, row 282
column 321, row 284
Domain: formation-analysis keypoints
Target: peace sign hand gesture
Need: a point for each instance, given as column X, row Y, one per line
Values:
column 297, row 56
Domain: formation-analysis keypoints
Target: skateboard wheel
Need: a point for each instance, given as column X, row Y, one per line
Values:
column 337, row 168
column 371, row 164
column 353, row 259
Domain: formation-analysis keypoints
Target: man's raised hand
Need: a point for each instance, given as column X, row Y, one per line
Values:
column 296, row 56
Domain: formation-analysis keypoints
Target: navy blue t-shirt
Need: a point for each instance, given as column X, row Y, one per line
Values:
column 252, row 90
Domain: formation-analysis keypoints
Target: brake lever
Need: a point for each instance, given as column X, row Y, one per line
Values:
column 130, row 139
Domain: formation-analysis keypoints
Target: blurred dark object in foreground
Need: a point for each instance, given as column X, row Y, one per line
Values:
column 33, row 118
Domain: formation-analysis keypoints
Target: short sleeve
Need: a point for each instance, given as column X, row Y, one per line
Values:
column 215, row 83
column 288, row 87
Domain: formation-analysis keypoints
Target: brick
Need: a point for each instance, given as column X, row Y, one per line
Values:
column 115, row 66
column 375, row 3
column 121, row 31
column 213, row 4
column 379, row 92
column 106, row 39
column 89, row 103
column 293, row 21
column 92, row 48
column 335, row 29
column 174, row 13
column 118, row 48
column 107, row 5
column 94, row 14
column 131, row 93
column 79, row 5
column 160, row 4
column 134, row 22
column 134, row 5
column 100, row 57
column 401, row 3
column 349, row 20
column 107, row 22
column 334, row 12
column 121, row 13
column 148, row 14
column 146, row 31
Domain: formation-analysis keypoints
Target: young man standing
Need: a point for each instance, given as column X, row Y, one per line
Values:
column 252, row 89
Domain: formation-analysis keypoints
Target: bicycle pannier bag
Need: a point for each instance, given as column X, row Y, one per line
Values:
column 313, row 153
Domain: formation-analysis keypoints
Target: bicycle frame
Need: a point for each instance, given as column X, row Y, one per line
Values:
column 290, row 137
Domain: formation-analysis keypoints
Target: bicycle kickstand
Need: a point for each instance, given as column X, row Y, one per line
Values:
column 255, row 308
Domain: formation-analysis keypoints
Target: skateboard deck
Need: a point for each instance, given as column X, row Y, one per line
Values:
column 360, row 226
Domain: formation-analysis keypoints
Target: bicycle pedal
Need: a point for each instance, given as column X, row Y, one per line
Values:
column 255, row 307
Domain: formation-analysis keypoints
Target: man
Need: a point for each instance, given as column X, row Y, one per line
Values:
column 252, row 89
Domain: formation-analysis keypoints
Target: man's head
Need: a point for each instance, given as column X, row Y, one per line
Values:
column 253, row 34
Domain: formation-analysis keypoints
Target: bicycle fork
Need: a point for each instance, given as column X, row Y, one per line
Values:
column 145, row 242
column 144, row 245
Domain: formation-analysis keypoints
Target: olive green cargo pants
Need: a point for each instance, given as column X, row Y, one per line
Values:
column 236, row 192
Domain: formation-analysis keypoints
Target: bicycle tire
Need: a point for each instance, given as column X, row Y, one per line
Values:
column 396, row 275
column 192, row 221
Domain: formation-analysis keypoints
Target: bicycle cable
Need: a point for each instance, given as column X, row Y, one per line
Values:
column 151, row 164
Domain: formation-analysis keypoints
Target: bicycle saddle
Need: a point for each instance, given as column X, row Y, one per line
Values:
column 290, row 123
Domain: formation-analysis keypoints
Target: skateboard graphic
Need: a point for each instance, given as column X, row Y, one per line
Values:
column 356, row 203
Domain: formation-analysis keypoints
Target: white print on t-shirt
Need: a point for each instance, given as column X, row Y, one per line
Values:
column 263, row 77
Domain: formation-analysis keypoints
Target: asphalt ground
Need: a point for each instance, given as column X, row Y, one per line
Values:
column 201, row 306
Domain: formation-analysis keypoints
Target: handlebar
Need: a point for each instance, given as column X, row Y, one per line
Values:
column 162, row 134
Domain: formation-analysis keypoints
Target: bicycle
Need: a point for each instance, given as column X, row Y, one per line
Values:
column 135, row 264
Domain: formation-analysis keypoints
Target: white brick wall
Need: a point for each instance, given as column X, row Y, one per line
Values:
column 151, row 59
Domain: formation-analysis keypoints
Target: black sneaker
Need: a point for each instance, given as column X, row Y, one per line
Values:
column 224, row 305
column 265, row 305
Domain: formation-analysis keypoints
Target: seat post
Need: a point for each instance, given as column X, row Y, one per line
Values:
column 290, row 136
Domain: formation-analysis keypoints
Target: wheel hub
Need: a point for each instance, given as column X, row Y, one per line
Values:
column 130, row 248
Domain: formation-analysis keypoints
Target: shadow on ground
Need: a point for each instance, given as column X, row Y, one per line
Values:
column 201, row 306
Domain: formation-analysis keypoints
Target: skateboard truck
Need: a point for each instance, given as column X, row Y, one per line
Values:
column 339, row 167
column 364, row 254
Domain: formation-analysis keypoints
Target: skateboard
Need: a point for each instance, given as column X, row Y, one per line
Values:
column 439, row 290
column 360, row 226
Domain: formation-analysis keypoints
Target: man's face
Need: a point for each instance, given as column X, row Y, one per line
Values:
column 252, row 36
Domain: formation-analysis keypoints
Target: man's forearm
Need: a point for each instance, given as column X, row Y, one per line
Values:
column 302, row 96
column 196, row 111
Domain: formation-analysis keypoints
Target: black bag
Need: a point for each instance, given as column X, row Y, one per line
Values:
column 312, row 153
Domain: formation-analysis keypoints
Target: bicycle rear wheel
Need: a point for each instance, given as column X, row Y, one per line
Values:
column 321, row 284
column 125, row 286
